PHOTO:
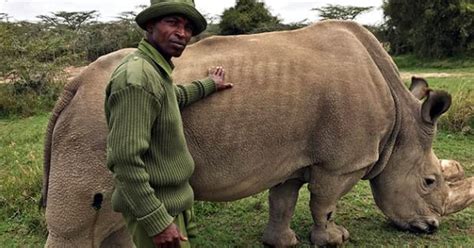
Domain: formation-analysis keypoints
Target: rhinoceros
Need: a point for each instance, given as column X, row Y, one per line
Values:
column 322, row 105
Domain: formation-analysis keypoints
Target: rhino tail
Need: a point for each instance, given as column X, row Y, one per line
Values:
column 65, row 98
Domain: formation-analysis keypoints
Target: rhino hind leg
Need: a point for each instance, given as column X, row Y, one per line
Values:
column 326, row 188
column 282, row 200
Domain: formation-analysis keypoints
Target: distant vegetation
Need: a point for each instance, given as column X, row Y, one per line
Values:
column 35, row 54
column 433, row 29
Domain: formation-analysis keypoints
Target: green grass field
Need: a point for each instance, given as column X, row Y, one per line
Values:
column 240, row 223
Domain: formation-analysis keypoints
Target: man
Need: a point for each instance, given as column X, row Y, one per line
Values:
column 146, row 148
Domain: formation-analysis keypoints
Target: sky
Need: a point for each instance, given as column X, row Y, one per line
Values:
column 289, row 11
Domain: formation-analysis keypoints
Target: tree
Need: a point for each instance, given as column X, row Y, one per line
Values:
column 341, row 12
column 247, row 16
column 129, row 16
column 71, row 20
column 4, row 17
column 436, row 28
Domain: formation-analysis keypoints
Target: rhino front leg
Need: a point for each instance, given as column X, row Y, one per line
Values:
column 326, row 188
column 118, row 239
column 282, row 200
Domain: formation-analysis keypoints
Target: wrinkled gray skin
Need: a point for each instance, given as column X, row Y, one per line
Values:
column 322, row 105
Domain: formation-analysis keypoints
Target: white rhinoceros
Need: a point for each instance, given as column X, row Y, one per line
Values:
column 322, row 105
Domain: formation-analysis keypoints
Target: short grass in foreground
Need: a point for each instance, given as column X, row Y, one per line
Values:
column 21, row 156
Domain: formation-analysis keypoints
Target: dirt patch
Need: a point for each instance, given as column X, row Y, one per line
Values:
column 9, row 78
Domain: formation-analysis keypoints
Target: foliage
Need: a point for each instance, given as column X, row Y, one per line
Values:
column 25, row 44
column 247, row 16
column 37, row 53
column 432, row 29
column 104, row 38
column 33, row 71
column 341, row 12
column 30, row 94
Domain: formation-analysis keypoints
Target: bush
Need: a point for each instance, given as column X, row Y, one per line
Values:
column 31, row 91
column 247, row 16
column 102, row 38
column 460, row 117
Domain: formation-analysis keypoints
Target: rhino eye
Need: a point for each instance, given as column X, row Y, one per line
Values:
column 429, row 182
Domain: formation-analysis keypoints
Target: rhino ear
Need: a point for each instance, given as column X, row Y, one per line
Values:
column 419, row 87
column 435, row 105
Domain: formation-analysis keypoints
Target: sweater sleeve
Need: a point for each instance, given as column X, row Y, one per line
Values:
column 132, row 112
column 188, row 94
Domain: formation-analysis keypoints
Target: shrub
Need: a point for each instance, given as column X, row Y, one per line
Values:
column 247, row 16
column 460, row 117
column 31, row 91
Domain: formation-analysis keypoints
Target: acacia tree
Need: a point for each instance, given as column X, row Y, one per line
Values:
column 4, row 17
column 71, row 20
column 341, row 12
column 247, row 16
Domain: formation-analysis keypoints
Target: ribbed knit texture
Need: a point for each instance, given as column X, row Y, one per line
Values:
column 146, row 147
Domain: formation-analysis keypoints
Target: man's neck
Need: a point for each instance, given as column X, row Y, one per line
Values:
column 166, row 57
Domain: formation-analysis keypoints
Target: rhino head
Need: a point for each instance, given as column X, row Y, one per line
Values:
column 415, row 188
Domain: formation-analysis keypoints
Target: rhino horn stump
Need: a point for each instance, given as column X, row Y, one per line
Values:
column 461, row 196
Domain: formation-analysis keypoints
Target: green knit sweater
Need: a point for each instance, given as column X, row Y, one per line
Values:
column 146, row 148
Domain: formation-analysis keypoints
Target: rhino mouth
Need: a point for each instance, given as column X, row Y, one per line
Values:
column 428, row 225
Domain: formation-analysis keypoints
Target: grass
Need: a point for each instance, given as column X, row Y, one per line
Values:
column 21, row 155
column 240, row 223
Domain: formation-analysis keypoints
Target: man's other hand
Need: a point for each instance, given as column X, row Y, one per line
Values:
column 170, row 237
column 218, row 75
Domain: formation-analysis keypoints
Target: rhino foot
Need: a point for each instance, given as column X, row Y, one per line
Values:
column 330, row 235
column 282, row 238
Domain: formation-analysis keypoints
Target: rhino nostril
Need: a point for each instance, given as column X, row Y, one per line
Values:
column 97, row 201
column 432, row 225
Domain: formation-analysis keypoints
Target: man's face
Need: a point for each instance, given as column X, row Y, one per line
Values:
column 170, row 35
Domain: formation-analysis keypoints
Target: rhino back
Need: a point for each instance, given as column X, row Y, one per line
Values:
column 300, row 98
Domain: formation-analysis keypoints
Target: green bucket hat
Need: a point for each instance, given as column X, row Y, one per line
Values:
column 167, row 7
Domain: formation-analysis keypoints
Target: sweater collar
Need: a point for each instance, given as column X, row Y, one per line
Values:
column 145, row 47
